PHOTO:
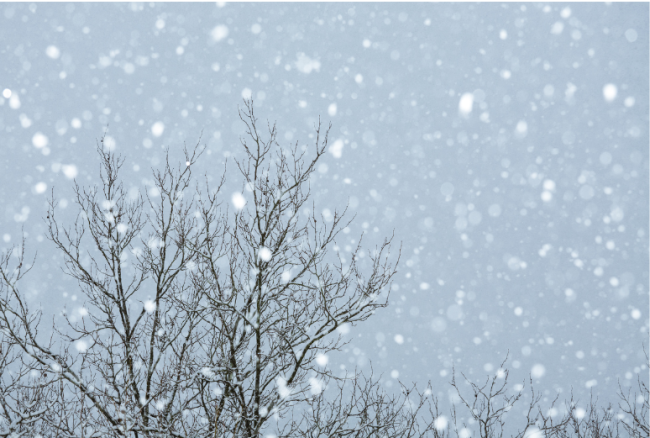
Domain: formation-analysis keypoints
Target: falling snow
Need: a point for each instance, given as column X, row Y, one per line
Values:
column 506, row 146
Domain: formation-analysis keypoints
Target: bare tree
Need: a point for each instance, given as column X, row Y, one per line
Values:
column 200, row 321
column 206, row 320
column 280, row 295
column 489, row 405
column 24, row 392
column 637, row 416
column 362, row 409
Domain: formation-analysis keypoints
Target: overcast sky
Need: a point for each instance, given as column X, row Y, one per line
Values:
column 506, row 145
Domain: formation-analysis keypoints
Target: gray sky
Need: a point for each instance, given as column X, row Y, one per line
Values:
column 505, row 144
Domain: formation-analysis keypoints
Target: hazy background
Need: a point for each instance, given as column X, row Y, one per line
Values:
column 506, row 146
